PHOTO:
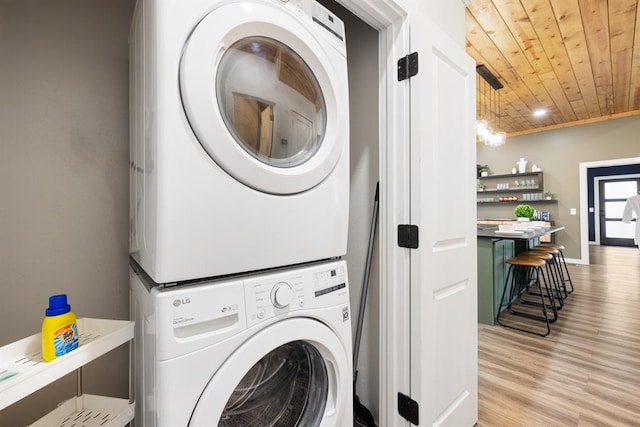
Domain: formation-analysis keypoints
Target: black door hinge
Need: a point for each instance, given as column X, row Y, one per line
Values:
column 408, row 408
column 408, row 66
column 408, row 236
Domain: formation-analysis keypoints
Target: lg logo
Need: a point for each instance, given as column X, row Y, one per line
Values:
column 179, row 302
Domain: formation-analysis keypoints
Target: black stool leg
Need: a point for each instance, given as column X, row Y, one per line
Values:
column 568, row 279
column 517, row 283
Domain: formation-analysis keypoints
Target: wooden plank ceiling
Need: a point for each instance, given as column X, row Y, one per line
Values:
column 577, row 59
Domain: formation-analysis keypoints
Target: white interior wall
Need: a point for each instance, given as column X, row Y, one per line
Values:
column 63, row 176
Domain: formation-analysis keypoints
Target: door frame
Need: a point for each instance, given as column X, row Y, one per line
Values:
column 584, row 202
column 596, row 199
column 391, row 19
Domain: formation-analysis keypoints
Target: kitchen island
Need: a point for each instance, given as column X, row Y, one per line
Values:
column 494, row 249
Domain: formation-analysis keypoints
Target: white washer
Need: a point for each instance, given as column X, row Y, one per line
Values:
column 273, row 347
column 239, row 127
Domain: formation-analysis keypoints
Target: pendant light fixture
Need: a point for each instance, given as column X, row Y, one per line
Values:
column 487, row 104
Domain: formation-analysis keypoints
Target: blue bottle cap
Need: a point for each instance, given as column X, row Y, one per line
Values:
column 57, row 305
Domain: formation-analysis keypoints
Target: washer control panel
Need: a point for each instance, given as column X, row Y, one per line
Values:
column 327, row 281
column 279, row 293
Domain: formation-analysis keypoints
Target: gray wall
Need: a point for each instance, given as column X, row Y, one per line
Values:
column 559, row 153
column 362, row 60
column 362, row 51
column 63, row 176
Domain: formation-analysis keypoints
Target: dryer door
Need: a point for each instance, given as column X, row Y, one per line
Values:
column 267, row 101
column 294, row 373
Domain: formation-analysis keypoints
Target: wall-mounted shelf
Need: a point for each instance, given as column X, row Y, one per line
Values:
column 526, row 182
column 22, row 372
column 519, row 202
column 510, row 175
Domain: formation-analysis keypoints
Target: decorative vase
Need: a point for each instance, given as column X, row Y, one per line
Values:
column 485, row 173
column 522, row 165
column 523, row 219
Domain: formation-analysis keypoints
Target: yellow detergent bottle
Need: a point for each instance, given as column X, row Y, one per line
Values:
column 59, row 329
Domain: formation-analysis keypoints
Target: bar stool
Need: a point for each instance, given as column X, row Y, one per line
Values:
column 554, row 271
column 568, row 283
column 524, row 273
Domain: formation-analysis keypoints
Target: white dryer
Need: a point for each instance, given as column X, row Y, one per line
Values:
column 239, row 136
column 260, row 350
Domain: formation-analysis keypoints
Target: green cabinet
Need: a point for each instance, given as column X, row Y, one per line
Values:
column 492, row 271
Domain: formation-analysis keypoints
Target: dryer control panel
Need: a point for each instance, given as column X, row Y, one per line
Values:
column 331, row 28
column 277, row 294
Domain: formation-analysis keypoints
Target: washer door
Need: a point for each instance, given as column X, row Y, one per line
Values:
column 265, row 99
column 294, row 373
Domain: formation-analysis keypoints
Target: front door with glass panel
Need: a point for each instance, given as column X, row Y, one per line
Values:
column 613, row 197
column 260, row 93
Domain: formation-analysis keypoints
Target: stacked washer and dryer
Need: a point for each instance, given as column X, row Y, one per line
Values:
column 239, row 213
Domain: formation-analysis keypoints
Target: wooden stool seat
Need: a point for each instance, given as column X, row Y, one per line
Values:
column 537, row 254
column 549, row 250
column 526, row 261
column 553, row 245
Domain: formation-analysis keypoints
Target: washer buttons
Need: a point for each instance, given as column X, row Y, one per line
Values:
column 260, row 314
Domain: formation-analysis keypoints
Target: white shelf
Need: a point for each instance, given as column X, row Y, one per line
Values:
column 22, row 370
column 89, row 411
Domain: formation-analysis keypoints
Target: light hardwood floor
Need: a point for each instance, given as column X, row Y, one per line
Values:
column 587, row 371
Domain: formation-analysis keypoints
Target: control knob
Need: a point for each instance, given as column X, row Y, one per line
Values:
column 281, row 295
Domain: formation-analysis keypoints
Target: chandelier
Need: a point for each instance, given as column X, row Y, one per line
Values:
column 488, row 104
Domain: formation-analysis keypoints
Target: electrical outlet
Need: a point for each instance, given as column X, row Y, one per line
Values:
column 572, row 211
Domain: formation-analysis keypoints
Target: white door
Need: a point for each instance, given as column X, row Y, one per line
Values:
column 443, row 267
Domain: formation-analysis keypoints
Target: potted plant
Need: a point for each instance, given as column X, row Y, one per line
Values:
column 483, row 170
column 481, row 186
column 548, row 195
column 524, row 212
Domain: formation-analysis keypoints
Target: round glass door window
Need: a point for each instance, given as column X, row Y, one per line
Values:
column 271, row 101
column 286, row 388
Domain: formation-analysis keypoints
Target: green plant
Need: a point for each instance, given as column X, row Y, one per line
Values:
column 482, row 185
column 482, row 168
column 523, row 211
column 548, row 194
